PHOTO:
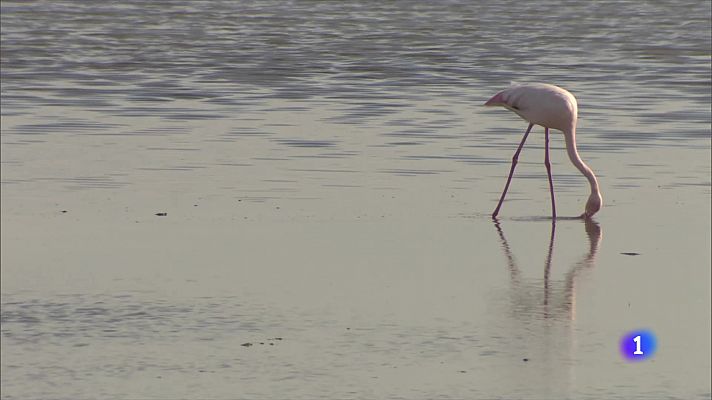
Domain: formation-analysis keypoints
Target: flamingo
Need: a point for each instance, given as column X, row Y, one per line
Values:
column 553, row 108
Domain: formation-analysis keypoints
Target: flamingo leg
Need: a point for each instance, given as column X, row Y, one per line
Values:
column 511, row 171
column 548, row 172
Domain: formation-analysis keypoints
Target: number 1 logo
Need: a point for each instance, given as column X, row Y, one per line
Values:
column 638, row 345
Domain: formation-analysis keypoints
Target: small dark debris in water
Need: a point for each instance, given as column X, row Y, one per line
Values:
column 239, row 199
column 64, row 211
column 248, row 344
column 348, row 329
column 271, row 344
column 630, row 254
column 262, row 342
column 525, row 359
column 201, row 370
column 462, row 372
column 161, row 214
column 277, row 338
column 277, row 208
column 195, row 205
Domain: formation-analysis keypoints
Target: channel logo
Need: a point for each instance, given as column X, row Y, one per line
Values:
column 638, row 345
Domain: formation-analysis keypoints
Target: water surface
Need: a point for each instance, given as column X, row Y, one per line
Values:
column 327, row 173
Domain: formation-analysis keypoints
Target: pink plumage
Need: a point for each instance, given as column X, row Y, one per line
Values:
column 553, row 108
column 539, row 103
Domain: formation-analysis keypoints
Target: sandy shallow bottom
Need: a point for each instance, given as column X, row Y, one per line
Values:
column 290, row 200
column 296, row 299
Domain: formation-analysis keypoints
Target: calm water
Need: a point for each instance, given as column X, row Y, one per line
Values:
column 327, row 173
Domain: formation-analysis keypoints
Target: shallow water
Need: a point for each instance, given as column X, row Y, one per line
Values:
column 327, row 173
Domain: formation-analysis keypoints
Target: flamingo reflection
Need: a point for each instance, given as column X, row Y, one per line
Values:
column 568, row 303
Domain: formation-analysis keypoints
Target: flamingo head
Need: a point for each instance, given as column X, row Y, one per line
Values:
column 593, row 204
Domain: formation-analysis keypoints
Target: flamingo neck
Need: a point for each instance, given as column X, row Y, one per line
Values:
column 572, row 151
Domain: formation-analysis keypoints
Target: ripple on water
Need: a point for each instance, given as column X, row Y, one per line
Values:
column 78, row 318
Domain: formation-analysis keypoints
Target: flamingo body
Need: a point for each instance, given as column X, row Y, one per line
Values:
column 540, row 104
column 553, row 108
